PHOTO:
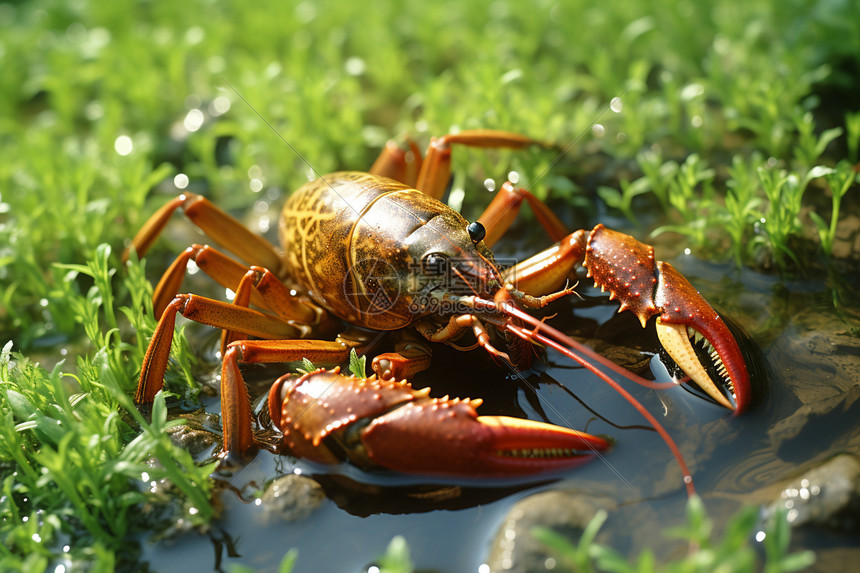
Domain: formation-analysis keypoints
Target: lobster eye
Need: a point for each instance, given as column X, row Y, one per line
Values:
column 477, row 232
column 435, row 264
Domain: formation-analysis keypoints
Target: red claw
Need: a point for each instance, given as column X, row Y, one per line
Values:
column 627, row 269
column 383, row 423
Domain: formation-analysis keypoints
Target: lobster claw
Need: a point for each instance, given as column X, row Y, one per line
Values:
column 627, row 269
column 326, row 417
column 441, row 436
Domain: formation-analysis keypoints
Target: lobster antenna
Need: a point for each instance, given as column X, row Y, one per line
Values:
column 554, row 343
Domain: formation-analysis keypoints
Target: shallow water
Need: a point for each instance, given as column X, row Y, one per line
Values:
column 801, row 355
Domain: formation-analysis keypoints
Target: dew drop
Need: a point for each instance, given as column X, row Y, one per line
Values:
column 598, row 130
column 193, row 120
column 220, row 105
column 123, row 145
column 355, row 66
column 514, row 177
column 180, row 181
column 489, row 185
column 616, row 105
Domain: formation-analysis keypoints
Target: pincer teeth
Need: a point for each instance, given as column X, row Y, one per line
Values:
column 537, row 453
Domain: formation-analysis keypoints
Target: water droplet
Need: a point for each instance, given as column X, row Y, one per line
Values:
column 264, row 223
column 123, row 145
column 220, row 105
column 616, row 105
column 760, row 535
column 256, row 185
column 598, row 130
column 94, row 111
column 229, row 294
column 692, row 90
column 37, row 538
column 194, row 35
column 688, row 479
column 355, row 66
column 180, row 181
column 193, row 120
column 489, row 184
column 514, row 177
column 144, row 476
column 193, row 510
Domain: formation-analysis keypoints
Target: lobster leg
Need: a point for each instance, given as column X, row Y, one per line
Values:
column 503, row 209
column 218, row 225
column 267, row 292
column 410, row 357
column 206, row 311
column 432, row 174
column 235, row 405
column 399, row 164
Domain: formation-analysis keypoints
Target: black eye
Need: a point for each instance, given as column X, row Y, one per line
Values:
column 435, row 264
column 477, row 232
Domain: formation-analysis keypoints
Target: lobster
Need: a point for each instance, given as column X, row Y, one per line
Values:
column 379, row 251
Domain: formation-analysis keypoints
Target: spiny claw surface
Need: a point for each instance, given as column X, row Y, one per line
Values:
column 327, row 417
column 646, row 287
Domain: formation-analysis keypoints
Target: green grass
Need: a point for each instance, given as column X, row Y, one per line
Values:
column 734, row 552
column 736, row 121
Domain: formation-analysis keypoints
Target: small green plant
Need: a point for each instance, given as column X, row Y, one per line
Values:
column 852, row 135
column 734, row 553
column 396, row 558
column 839, row 180
column 80, row 450
column 286, row 565
column 691, row 195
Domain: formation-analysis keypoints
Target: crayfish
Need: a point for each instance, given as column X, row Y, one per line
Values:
column 380, row 252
